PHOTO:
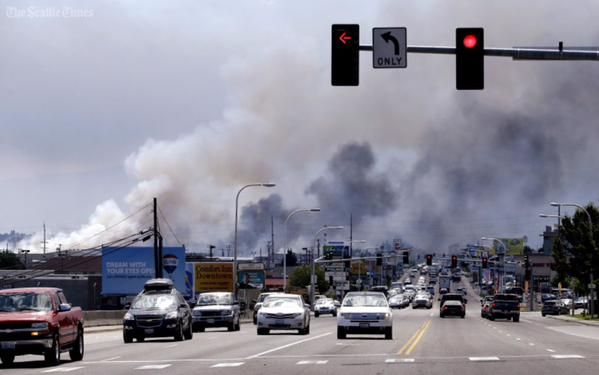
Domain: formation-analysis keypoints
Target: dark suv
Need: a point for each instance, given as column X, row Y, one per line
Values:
column 217, row 309
column 158, row 311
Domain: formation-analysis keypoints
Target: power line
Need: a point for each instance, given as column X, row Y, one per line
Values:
column 169, row 226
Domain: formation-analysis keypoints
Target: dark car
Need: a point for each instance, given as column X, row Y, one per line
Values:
column 158, row 311
column 554, row 307
column 217, row 309
column 454, row 308
column 548, row 297
column 506, row 306
column 452, row 297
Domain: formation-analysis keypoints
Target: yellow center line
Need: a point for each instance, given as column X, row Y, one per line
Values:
column 417, row 339
column 407, row 344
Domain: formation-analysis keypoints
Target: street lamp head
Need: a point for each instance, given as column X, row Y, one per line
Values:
column 315, row 209
column 269, row 185
column 543, row 215
column 484, row 238
column 554, row 204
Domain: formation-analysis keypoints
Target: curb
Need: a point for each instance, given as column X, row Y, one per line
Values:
column 572, row 320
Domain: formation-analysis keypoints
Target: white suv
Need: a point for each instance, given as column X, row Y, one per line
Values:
column 365, row 312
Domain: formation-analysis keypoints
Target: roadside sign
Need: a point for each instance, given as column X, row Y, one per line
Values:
column 592, row 286
column 389, row 47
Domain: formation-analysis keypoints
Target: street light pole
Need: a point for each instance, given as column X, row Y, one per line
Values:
column 235, row 245
column 593, row 247
column 313, row 273
column 315, row 209
column 502, row 262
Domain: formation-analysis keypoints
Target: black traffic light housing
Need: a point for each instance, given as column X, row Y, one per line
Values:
column 485, row 262
column 429, row 260
column 345, row 55
column 406, row 257
column 454, row 261
column 379, row 259
column 470, row 58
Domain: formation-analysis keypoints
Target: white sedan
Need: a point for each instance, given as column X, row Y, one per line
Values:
column 284, row 312
column 365, row 312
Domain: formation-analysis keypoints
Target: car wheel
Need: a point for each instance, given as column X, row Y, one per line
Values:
column 516, row 318
column 127, row 337
column 141, row 338
column 335, row 314
column 463, row 315
column 491, row 318
column 231, row 327
column 201, row 328
column 389, row 333
column 263, row 331
column 543, row 315
column 189, row 333
column 7, row 358
column 341, row 334
column 441, row 316
column 179, row 332
column 76, row 352
column 316, row 314
column 52, row 355
column 255, row 319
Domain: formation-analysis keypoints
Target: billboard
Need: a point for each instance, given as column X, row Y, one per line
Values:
column 515, row 246
column 125, row 270
column 213, row 277
column 336, row 251
column 251, row 280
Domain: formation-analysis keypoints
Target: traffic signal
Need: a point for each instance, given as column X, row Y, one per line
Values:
column 347, row 261
column 345, row 58
column 454, row 261
column 429, row 260
column 406, row 257
column 526, row 261
column 379, row 259
column 328, row 255
column 470, row 58
column 485, row 262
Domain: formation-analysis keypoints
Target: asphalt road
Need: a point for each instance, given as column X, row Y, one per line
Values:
column 423, row 344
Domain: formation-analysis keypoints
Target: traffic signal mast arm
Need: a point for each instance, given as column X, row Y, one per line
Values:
column 517, row 53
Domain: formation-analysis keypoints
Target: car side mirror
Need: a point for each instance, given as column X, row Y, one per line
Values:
column 242, row 305
column 127, row 306
column 183, row 305
column 64, row 307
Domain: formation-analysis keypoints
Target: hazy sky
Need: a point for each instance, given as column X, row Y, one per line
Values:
column 105, row 104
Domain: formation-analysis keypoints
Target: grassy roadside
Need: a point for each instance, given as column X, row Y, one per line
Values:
column 585, row 317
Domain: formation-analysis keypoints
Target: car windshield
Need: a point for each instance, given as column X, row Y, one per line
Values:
column 282, row 302
column 213, row 299
column 25, row 302
column 155, row 302
column 365, row 300
column 324, row 301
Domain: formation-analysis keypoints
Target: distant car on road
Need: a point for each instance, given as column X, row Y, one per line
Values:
column 216, row 309
column 365, row 312
column 506, row 306
column 454, row 308
column 399, row 301
column 581, row 303
column 554, row 307
column 422, row 300
column 284, row 312
column 325, row 306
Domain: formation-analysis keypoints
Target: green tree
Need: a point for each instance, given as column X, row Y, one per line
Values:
column 300, row 278
column 10, row 261
column 575, row 250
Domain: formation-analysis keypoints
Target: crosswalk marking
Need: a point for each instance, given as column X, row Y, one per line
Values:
column 64, row 369
column 153, row 367
column 483, row 359
column 567, row 356
column 312, row 363
column 228, row 364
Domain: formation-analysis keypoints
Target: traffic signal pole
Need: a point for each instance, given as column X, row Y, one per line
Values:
column 516, row 53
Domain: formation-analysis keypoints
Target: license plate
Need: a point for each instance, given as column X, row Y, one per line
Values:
column 149, row 331
column 8, row 345
column 210, row 321
column 364, row 325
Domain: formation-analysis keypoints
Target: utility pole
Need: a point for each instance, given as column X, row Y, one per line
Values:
column 351, row 226
column 318, row 248
column 44, row 242
column 272, row 241
column 156, row 249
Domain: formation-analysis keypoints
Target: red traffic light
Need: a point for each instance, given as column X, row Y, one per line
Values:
column 470, row 41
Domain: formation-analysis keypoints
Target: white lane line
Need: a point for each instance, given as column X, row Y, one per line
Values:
column 312, row 362
column 399, row 360
column 287, row 346
column 518, row 338
column 483, row 359
column 152, row 367
column 111, row 358
column 531, row 344
column 509, row 335
column 550, row 350
column 64, row 369
column 347, row 344
column 567, row 356
column 171, row 346
column 228, row 364
column 432, row 314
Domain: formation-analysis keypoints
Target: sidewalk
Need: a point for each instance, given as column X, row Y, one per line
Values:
column 567, row 318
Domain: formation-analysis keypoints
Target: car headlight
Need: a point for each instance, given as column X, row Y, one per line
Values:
column 196, row 313
column 172, row 315
column 388, row 315
column 227, row 312
column 40, row 326
column 128, row 316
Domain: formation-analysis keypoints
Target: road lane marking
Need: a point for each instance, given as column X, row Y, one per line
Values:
column 531, row 344
column 418, row 338
column 312, row 362
column 509, row 335
column 409, row 342
column 64, row 369
column 153, row 367
column 399, row 360
column 227, row 364
column 483, row 359
column 170, row 346
column 567, row 356
column 518, row 339
column 550, row 350
column 287, row 346
column 111, row 358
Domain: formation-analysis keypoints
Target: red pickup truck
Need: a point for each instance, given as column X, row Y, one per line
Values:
column 39, row 321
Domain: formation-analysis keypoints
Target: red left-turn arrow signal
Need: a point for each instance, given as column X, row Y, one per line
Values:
column 344, row 38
